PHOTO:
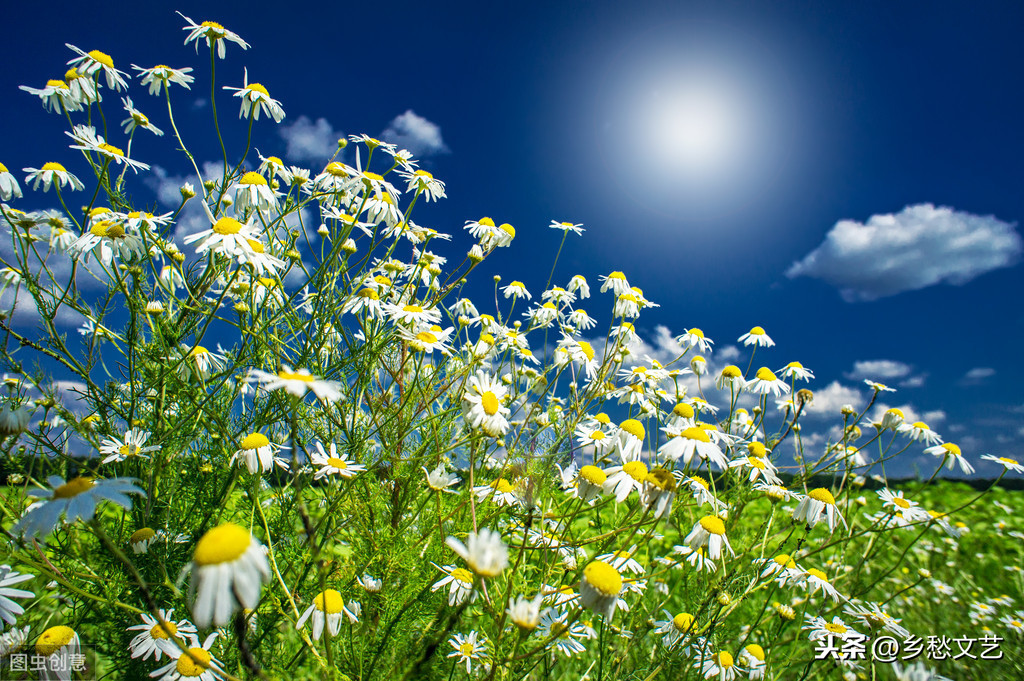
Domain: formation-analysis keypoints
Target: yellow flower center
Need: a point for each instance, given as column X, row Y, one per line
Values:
column 73, row 488
column 223, row 544
column 755, row 651
column 212, row 24
column 1008, row 460
column 329, row 601
column 253, row 178
column 683, row 410
column 766, row 374
column 634, row 428
column 695, row 433
column 603, row 577
column 731, row 371
column 372, row 176
column 292, row 376
column 335, row 462
column 256, row 87
column 369, row 293
column 54, row 639
column 423, row 173
column 683, row 621
column 785, row 560
column 53, row 166
column 757, row 449
column 256, row 246
column 636, row 470
column 508, row 229
column 823, row 495
column 662, row 479
column 593, row 475
column 253, row 441
column 463, row 575
column 428, row 338
column 755, row 463
column 713, row 524
column 489, row 401
column 163, row 630
column 901, row 502
column 598, row 435
column 814, row 572
column 724, row 660
column 757, row 331
column 502, row 485
column 57, row 84
column 336, row 169
column 952, row 448
column 141, row 534
column 700, row 481
column 226, row 226
column 102, row 57
column 193, row 663
column 467, row 649
column 111, row 149
column 835, row 628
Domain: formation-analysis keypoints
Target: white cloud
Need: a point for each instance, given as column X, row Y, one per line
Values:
column 977, row 375
column 829, row 400
column 309, row 141
column 878, row 370
column 415, row 133
column 918, row 247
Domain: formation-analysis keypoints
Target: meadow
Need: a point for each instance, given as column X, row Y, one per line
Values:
column 286, row 444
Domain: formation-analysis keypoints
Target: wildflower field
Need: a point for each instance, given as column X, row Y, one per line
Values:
column 289, row 446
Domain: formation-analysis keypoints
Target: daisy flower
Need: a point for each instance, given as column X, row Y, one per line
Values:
column 328, row 608
column 141, row 539
column 484, row 552
column 752, row 659
column 214, row 34
column 252, row 191
column 258, row 453
column 629, row 440
column 600, row 588
column 229, row 567
column 951, row 455
column 874, row 617
column 226, row 235
column 468, row 648
column 193, row 663
column 694, row 338
column 1005, row 462
column 163, row 76
column 59, row 645
column 818, row 502
column 132, row 446
column 878, row 387
column 427, row 339
column 331, row 464
column 87, row 140
column 758, row 468
column 55, row 95
column 137, row 119
column 422, row 182
column 9, row 187
column 459, row 582
column 709, row 531
column 675, row 629
column 501, row 491
column 567, row 227
column 659, row 492
column 439, row 480
column 9, row 610
column 782, row 568
column 48, row 174
column 482, row 405
column 756, row 336
column 578, row 283
column 109, row 239
column 93, row 63
column 74, row 499
column 815, row 580
column 895, row 501
column 731, row 378
column 919, row 430
column 566, row 637
column 516, row 289
column 819, row 627
column 296, row 383
column 765, row 382
column 686, row 443
column 160, row 636
column 622, row 480
column 413, row 315
column 616, row 282
column 719, row 666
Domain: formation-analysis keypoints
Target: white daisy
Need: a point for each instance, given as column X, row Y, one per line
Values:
column 74, row 499
column 709, row 531
column 229, row 567
column 459, row 582
column 332, row 464
column 258, row 453
column 9, row 610
column 132, row 446
column 296, row 383
column 756, row 336
column 163, row 76
column 328, row 608
column 161, row 636
column 484, row 552
column 214, row 33
column 51, row 172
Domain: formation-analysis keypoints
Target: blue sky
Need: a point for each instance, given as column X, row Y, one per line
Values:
column 846, row 175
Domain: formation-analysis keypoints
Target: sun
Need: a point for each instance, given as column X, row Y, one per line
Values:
column 694, row 129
